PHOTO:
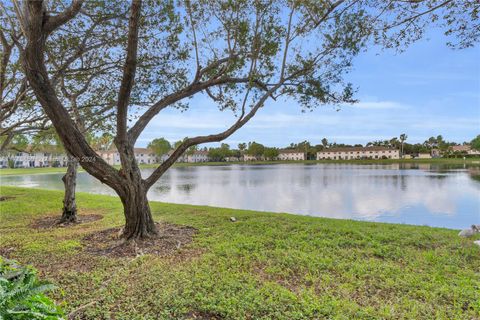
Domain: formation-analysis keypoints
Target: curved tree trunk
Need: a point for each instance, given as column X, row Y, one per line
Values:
column 69, row 214
column 139, row 223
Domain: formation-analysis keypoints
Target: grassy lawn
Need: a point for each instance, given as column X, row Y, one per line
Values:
column 445, row 161
column 264, row 266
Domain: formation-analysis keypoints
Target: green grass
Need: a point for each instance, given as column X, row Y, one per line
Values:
column 22, row 171
column 443, row 161
column 265, row 266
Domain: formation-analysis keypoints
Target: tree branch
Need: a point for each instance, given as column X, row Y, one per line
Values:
column 128, row 73
column 192, row 89
column 36, row 72
column 54, row 22
column 243, row 119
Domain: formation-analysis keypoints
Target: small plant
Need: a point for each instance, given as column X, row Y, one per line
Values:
column 22, row 294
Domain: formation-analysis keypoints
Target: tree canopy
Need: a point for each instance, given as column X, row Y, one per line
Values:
column 160, row 146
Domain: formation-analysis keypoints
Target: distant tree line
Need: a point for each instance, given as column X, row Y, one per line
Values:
column 161, row 146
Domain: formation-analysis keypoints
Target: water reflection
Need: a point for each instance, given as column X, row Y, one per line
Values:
column 435, row 195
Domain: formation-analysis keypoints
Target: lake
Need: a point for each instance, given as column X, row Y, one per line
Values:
column 421, row 194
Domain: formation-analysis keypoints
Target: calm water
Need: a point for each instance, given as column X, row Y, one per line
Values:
column 434, row 195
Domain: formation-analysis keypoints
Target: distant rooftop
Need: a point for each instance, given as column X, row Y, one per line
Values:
column 289, row 151
column 461, row 148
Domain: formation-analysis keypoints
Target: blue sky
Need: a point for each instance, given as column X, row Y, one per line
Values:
column 428, row 90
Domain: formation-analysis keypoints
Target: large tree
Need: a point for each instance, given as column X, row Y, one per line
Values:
column 239, row 53
column 19, row 113
column 79, row 76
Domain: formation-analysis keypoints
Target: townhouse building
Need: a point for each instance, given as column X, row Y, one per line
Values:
column 47, row 156
column 350, row 153
column 287, row 154
column 198, row 156
column 142, row 155
column 249, row 157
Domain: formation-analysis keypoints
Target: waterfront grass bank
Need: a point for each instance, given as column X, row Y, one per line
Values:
column 264, row 266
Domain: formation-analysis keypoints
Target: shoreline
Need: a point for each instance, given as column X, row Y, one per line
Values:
column 444, row 161
column 211, row 207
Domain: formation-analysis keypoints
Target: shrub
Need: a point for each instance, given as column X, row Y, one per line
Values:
column 22, row 294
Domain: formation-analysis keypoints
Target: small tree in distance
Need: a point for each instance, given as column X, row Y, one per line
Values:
column 160, row 146
column 270, row 153
column 238, row 53
column 255, row 149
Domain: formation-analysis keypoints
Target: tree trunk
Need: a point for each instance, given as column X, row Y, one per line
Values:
column 69, row 214
column 139, row 223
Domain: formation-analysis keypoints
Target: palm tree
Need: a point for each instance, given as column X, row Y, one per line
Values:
column 403, row 137
column 242, row 146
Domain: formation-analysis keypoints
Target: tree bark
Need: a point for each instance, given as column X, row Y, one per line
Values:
column 69, row 214
column 139, row 223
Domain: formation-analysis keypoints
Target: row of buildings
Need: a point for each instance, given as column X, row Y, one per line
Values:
column 33, row 159
column 147, row 156
column 49, row 158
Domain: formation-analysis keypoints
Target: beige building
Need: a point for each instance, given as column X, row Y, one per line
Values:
column 424, row 156
column 350, row 153
column 291, row 155
column 142, row 155
column 111, row 156
column 465, row 149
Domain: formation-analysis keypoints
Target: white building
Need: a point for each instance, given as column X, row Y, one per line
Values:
column 49, row 156
column 350, row 153
column 20, row 159
column 198, row 156
column 145, row 156
column 291, row 155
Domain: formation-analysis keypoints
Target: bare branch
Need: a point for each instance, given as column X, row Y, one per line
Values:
column 242, row 120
